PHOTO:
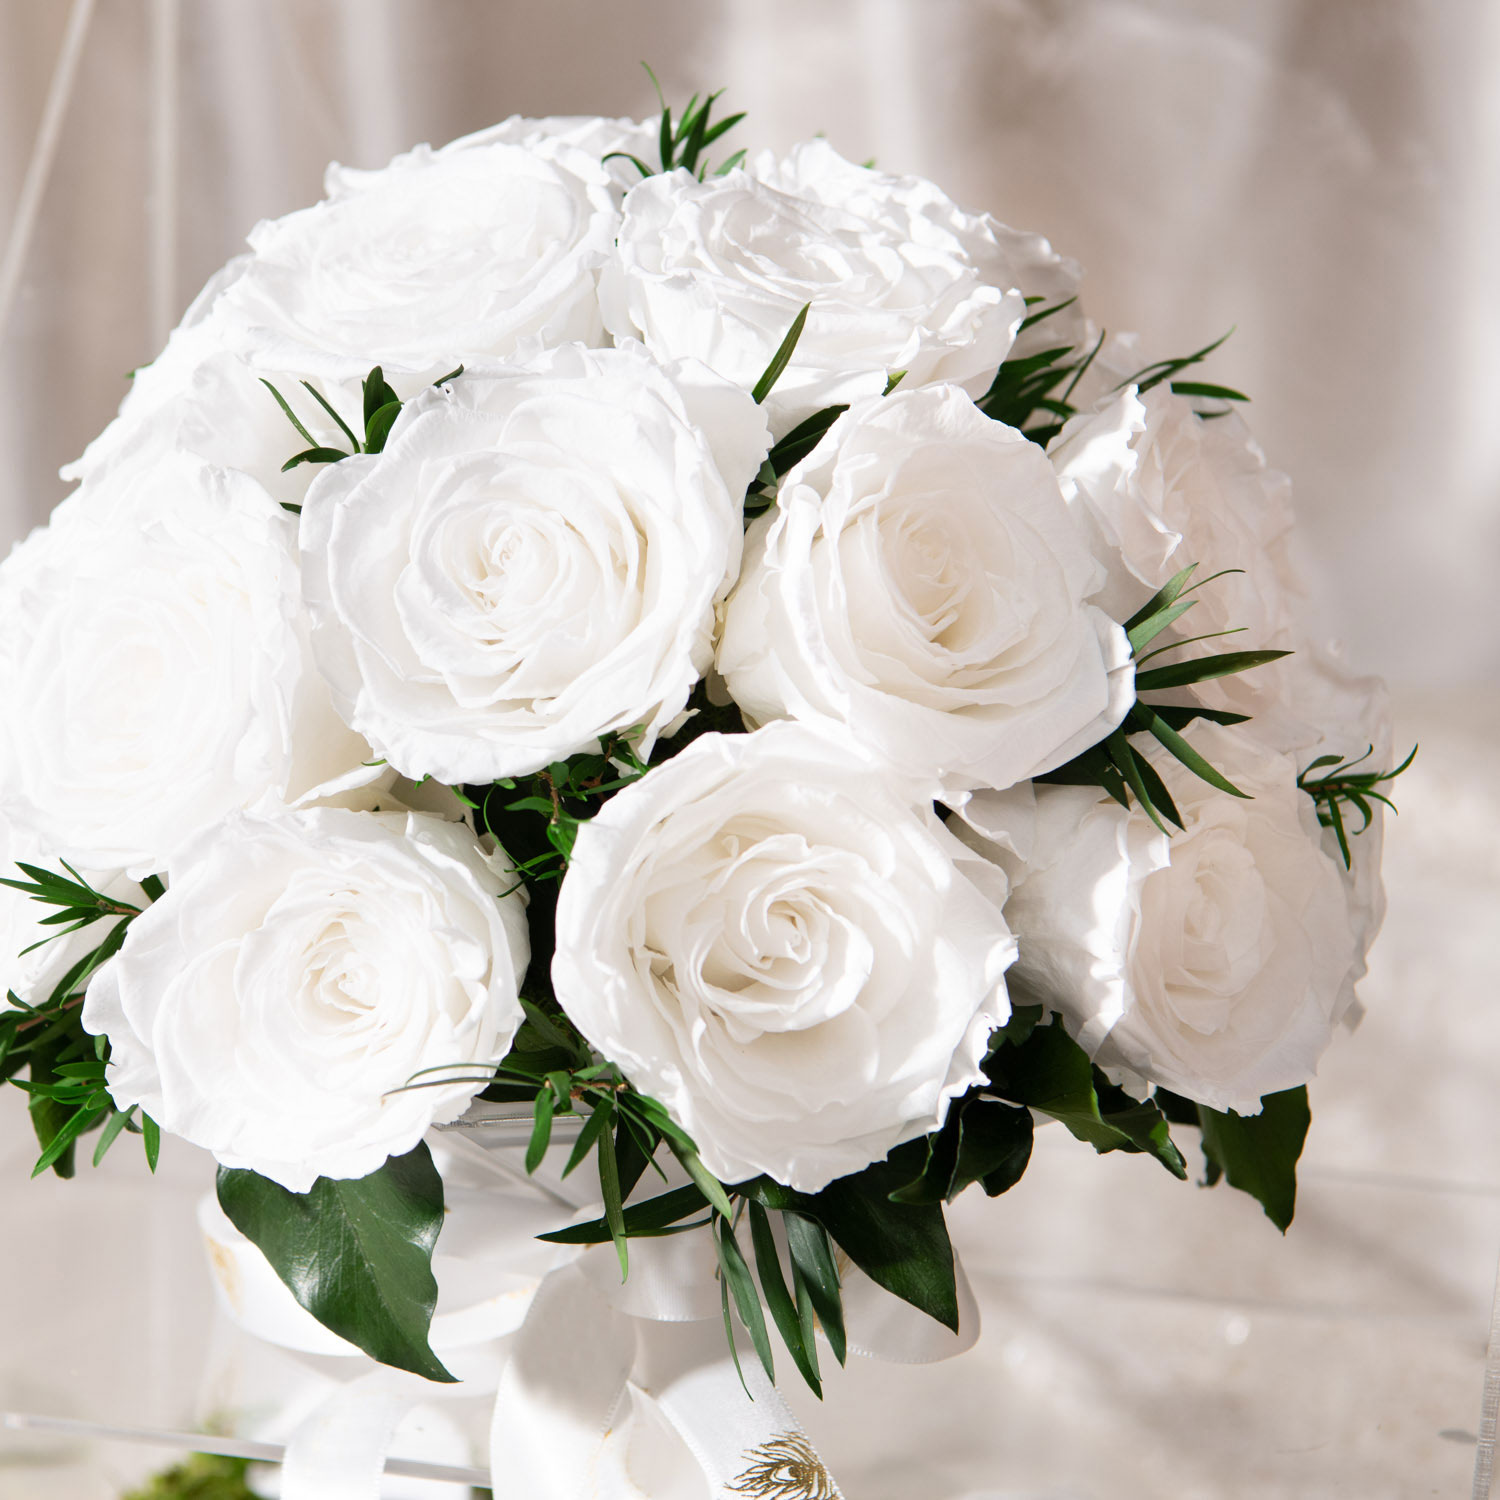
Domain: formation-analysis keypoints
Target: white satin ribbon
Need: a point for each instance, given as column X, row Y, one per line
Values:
column 603, row 1390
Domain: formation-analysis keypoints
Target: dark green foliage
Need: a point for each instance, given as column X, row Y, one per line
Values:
column 357, row 1253
column 381, row 407
column 1256, row 1153
column 1049, row 1072
column 1343, row 784
column 682, row 143
column 44, row 1037
column 202, row 1476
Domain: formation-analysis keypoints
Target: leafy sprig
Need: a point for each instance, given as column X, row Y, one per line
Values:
column 65, row 1066
column 381, row 407
column 1341, row 784
column 1115, row 764
column 682, row 143
column 1029, row 393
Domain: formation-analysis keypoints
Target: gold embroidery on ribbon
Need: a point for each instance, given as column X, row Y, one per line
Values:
column 786, row 1468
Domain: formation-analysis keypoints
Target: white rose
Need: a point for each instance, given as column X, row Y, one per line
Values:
column 439, row 258
column 1159, row 488
column 1216, row 963
column 201, row 397
column 921, row 582
column 32, row 976
column 768, row 937
column 298, row 970
column 898, row 276
column 596, row 136
column 533, row 561
column 155, row 671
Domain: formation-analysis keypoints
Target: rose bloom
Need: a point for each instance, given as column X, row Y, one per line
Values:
column 597, row 136
column 898, row 276
column 1215, row 963
column 438, row 258
column 770, row 938
column 155, row 672
column 921, row 583
column 1158, row 488
column 200, row 397
column 533, row 561
column 301, row 968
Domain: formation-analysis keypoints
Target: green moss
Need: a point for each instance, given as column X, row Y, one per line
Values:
column 201, row 1477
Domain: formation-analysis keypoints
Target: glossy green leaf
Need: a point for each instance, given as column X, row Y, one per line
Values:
column 357, row 1254
column 812, row 1259
column 1258, row 1153
column 779, row 1300
column 736, row 1274
column 903, row 1247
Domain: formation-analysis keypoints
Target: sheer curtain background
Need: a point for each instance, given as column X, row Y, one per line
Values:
column 1324, row 174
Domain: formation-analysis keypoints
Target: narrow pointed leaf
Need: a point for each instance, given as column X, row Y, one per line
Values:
column 1176, row 745
column 778, row 1299
column 343, row 426
column 782, row 357
column 541, row 1129
column 736, row 1273
column 1202, row 668
column 812, row 1258
column 1162, row 598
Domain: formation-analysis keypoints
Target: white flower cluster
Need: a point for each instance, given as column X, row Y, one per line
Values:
column 213, row 670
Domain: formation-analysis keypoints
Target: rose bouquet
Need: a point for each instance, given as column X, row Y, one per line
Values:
column 720, row 666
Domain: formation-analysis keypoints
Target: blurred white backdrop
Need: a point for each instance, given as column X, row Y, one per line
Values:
column 1324, row 174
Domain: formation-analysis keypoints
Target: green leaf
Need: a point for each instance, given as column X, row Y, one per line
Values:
column 903, row 1247
column 1162, row 599
column 49, row 1116
column 812, row 1259
column 111, row 1132
column 635, row 161
column 736, row 1274
column 150, row 1140
column 357, row 1254
column 782, row 356
column 641, row 1220
column 377, row 394
column 1052, row 1074
column 291, row 416
column 344, row 427
column 1151, row 627
column 1120, row 752
column 609, row 1188
column 1176, row 745
column 1201, row 388
column 1024, row 1019
column 315, row 455
column 1258, row 1153
column 981, row 1140
column 1202, row 668
column 779, row 1300
column 598, row 1122
column 706, row 1182
column 730, row 163
column 379, row 427
column 1179, row 716
column 541, row 1129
